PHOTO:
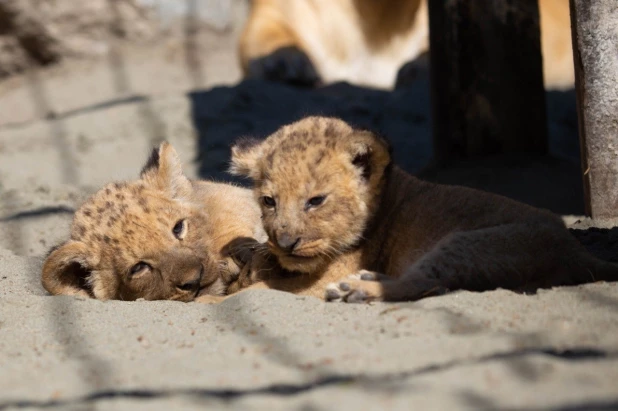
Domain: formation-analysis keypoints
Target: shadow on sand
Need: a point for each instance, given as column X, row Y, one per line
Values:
column 257, row 108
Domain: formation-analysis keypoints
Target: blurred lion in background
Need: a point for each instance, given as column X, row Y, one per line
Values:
column 367, row 42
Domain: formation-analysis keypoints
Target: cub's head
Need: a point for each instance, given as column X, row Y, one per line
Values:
column 318, row 182
column 140, row 239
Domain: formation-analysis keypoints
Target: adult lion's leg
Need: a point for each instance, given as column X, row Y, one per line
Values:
column 270, row 50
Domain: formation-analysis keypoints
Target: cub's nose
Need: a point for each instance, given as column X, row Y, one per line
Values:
column 287, row 242
column 194, row 283
column 190, row 285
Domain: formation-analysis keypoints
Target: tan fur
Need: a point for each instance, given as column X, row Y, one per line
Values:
column 269, row 275
column 127, row 223
column 367, row 41
column 426, row 238
column 131, row 222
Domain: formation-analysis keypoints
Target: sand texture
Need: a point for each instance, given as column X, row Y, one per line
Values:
column 65, row 131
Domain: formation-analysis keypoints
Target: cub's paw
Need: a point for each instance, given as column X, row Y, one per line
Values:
column 287, row 65
column 361, row 287
column 367, row 275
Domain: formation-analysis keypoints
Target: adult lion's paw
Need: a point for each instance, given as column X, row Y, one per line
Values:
column 286, row 65
column 361, row 287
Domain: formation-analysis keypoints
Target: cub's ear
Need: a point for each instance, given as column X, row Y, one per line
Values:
column 246, row 153
column 66, row 270
column 163, row 171
column 370, row 153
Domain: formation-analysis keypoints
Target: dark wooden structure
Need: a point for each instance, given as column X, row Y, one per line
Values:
column 595, row 47
column 487, row 86
column 486, row 78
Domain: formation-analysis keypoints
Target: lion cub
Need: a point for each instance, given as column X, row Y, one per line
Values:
column 160, row 237
column 329, row 193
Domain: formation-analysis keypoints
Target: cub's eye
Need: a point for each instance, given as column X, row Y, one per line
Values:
column 315, row 201
column 268, row 202
column 139, row 267
column 180, row 229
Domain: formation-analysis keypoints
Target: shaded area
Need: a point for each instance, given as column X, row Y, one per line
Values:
column 276, row 349
column 601, row 242
column 610, row 405
column 95, row 372
column 32, row 35
column 120, row 77
column 477, row 401
column 82, row 110
column 228, row 394
column 64, row 323
column 597, row 298
column 482, row 93
column 57, row 129
column 193, row 61
column 39, row 212
column 257, row 108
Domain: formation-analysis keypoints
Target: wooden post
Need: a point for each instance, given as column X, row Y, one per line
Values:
column 595, row 49
column 487, row 90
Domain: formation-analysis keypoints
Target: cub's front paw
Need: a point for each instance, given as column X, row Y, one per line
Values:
column 361, row 287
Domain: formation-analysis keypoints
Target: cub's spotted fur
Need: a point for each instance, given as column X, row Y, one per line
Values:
column 160, row 237
column 329, row 193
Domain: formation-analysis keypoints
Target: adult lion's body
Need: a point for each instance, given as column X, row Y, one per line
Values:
column 367, row 41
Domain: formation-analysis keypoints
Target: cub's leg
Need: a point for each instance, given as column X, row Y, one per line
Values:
column 515, row 256
column 270, row 50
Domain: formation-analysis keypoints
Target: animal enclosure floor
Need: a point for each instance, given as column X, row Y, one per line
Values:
column 67, row 131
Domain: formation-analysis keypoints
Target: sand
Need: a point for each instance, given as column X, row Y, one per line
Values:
column 70, row 129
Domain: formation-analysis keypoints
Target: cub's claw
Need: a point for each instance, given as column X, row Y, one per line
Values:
column 332, row 293
column 358, row 296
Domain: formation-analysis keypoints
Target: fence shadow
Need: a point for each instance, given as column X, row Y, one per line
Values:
column 62, row 321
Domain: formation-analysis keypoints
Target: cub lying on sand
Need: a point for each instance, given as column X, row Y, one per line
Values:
column 329, row 192
column 160, row 237
column 165, row 237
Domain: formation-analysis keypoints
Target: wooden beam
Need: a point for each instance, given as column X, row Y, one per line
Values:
column 486, row 79
column 595, row 48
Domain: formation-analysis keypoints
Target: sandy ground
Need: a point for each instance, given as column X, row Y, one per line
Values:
column 66, row 131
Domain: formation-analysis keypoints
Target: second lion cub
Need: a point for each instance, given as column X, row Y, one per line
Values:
column 328, row 192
